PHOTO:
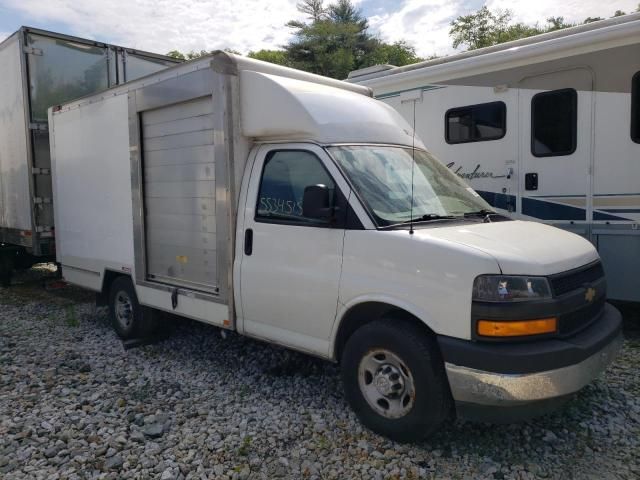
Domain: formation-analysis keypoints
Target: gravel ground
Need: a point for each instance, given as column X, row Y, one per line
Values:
column 75, row 404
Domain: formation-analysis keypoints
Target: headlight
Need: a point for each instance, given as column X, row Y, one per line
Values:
column 508, row 288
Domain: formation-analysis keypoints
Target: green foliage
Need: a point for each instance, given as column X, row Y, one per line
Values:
column 71, row 317
column 336, row 41
column 485, row 28
column 176, row 54
column 278, row 57
column 480, row 29
column 333, row 41
column 397, row 53
column 193, row 54
column 245, row 447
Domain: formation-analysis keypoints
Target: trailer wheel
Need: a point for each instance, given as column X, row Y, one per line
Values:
column 129, row 318
column 394, row 379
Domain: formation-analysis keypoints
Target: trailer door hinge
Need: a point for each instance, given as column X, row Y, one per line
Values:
column 33, row 51
column 41, row 171
column 41, row 127
column 42, row 200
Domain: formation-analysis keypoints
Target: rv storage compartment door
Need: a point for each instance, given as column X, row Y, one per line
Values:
column 179, row 194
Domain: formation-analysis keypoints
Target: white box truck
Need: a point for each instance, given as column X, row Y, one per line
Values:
column 545, row 129
column 40, row 69
column 294, row 209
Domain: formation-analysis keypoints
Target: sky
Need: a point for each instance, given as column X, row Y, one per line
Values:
column 244, row 25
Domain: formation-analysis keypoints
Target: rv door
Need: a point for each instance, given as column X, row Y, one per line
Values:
column 555, row 111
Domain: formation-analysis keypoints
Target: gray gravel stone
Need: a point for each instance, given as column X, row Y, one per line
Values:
column 75, row 404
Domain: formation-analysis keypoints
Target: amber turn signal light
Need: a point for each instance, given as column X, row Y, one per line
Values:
column 490, row 328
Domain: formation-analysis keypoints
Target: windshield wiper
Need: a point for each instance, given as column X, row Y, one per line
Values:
column 427, row 217
column 486, row 214
column 480, row 213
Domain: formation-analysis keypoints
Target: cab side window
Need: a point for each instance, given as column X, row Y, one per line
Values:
column 285, row 176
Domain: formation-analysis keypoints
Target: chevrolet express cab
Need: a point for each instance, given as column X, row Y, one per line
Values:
column 297, row 210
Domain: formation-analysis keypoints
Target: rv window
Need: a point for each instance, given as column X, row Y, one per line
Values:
column 635, row 108
column 554, row 117
column 476, row 123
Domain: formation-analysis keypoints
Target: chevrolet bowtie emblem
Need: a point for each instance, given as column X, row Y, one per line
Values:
column 590, row 294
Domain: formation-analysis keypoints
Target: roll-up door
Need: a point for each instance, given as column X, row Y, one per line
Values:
column 179, row 194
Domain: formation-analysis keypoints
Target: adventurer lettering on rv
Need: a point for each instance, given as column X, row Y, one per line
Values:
column 476, row 173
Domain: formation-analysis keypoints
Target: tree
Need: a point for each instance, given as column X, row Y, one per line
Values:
column 619, row 13
column 556, row 23
column 333, row 41
column 484, row 28
column 313, row 8
column 480, row 29
column 278, row 57
column 188, row 56
column 397, row 53
column 193, row 54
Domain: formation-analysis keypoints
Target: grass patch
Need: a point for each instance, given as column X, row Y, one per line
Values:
column 245, row 447
column 71, row 317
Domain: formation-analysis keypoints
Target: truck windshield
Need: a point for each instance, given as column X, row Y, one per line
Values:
column 382, row 176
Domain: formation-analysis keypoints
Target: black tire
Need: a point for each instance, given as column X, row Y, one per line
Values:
column 139, row 322
column 7, row 264
column 419, row 354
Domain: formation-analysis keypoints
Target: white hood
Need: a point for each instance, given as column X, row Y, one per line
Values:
column 519, row 247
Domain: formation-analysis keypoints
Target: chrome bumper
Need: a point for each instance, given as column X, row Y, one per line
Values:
column 497, row 389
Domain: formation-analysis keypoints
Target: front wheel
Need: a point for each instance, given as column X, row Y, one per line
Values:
column 394, row 379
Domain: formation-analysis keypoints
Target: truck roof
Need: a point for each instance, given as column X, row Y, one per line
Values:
column 624, row 29
column 279, row 103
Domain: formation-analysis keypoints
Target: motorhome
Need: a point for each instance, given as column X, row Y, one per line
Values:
column 544, row 129
column 297, row 210
column 40, row 69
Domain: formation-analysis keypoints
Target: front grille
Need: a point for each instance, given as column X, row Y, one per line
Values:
column 568, row 281
column 577, row 320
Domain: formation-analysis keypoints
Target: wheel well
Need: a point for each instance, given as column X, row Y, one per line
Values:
column 367, row 312
column 102, row 297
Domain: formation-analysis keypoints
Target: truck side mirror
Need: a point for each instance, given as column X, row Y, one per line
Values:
column 316, row 202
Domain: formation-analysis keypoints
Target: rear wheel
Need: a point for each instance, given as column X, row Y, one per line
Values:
column 394, row 379
column 128, row 317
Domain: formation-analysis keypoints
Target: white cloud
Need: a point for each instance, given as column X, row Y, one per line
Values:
column 243, row 25
column 572, row 10
column 426, row 23
column 163, row 25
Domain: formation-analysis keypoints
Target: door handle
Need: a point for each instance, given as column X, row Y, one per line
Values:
column 248, row 241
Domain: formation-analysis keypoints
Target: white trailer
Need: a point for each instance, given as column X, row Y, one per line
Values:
column 545, row 128
column 41, row 69
column 292, row 208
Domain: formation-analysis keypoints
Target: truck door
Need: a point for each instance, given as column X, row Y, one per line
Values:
column 555, row 112
column 290, row 264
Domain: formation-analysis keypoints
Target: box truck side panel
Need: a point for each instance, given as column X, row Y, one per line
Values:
column 93, row 189
column 15, row 198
